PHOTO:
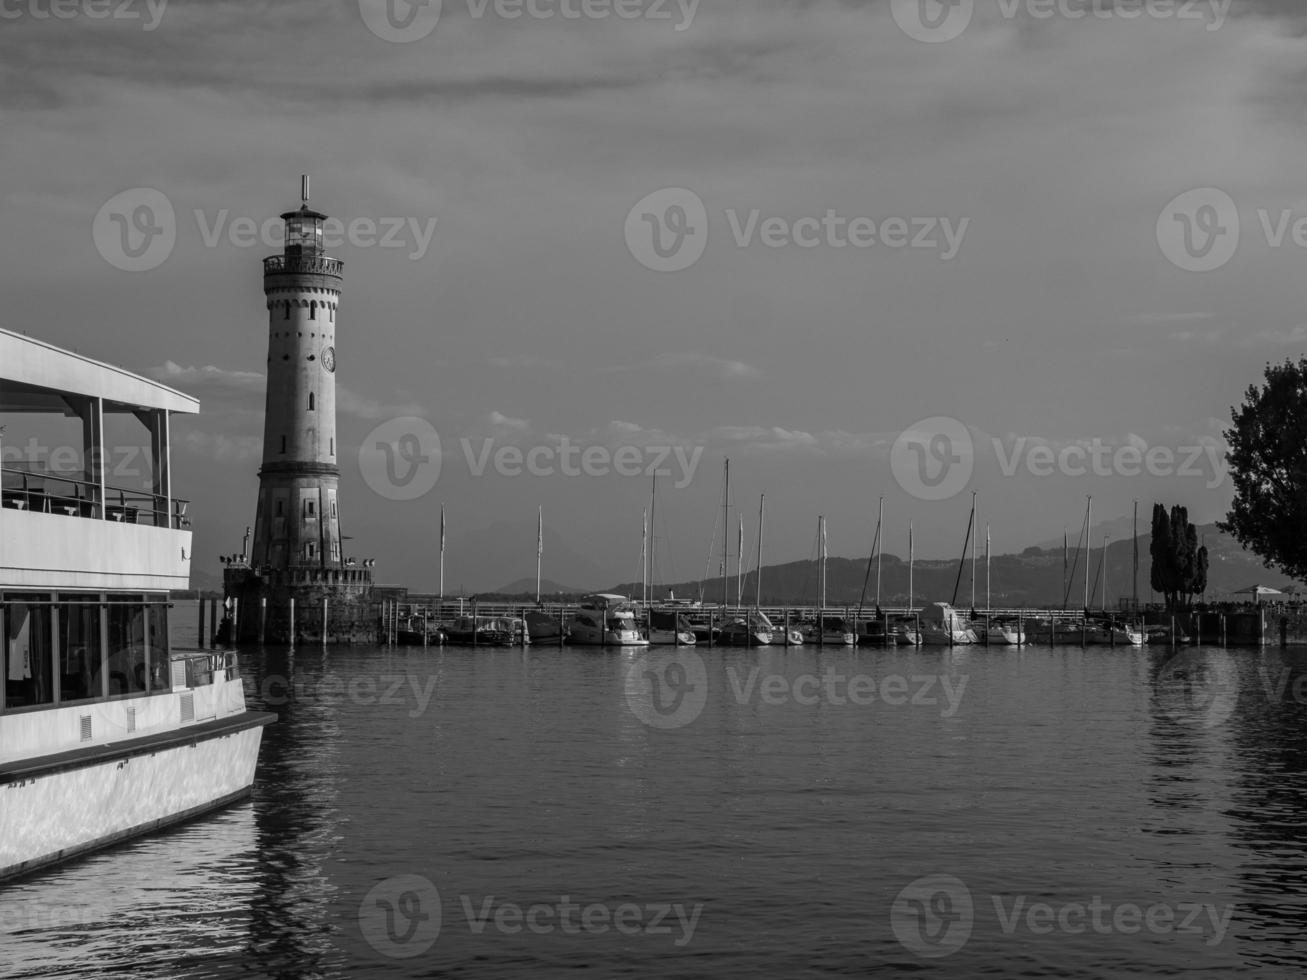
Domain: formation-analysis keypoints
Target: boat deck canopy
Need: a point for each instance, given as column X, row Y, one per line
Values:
column 28, row 363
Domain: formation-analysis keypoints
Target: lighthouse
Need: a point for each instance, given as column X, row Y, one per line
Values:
column 298, row 549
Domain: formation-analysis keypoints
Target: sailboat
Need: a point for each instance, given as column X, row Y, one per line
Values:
column 832, row 630
column 789, row 635
column 541, row 625
column 996, row 631
column 666, row 625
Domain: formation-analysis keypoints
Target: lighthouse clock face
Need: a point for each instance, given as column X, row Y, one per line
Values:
column 329, row 359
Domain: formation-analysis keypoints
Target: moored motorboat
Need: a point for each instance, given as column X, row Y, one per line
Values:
column 670, row 626
column 833, row 631
column 746, row 629
column 605, row 620
column 942, row 625
column 486, row 631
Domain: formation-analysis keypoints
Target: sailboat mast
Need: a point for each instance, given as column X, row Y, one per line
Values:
column 540, row 547
column 653, row 538
column 880, row 517
column 989, row 602
column 821, row 530
column 973, row 552
column 1135, row 570
column 911, row 557
column 442, row 553
column 1089, row 523
column 726, row 505
column 757, row 582
column 644, row 557
column 739, row 566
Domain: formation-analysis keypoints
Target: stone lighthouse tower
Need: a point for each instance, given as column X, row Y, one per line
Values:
column 298, row 550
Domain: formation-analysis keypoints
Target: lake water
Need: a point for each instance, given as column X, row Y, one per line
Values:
column 1040, row 812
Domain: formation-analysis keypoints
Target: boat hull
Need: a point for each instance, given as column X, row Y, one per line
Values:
column 108, row 794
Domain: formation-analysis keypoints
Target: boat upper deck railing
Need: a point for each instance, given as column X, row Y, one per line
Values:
column 292, row 264
column 46, row 493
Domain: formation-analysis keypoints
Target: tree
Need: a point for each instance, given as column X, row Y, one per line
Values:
column 1179, row 570
column 1200, row 572
column 1159, row 549
column 1268, row 466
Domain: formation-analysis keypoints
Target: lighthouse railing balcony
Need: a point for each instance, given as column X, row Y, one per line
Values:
column 306, row 264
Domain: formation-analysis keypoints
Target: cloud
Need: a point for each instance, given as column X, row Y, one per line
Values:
column 223, row 447
column 722, row 367
column 175, row 374
column 502, row 421
column 359, row 406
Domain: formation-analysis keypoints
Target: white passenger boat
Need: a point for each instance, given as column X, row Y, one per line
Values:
column 105, row 733
column 607, row 621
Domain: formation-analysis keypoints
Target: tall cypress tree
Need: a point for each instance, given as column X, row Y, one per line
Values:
column 1159, row 550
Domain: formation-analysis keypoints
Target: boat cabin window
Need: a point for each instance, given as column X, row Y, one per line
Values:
column 28, row 650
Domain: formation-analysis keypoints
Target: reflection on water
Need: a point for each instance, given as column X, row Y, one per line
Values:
column 791, row 793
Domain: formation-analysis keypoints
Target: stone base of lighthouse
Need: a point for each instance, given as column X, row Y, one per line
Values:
column 263, row 607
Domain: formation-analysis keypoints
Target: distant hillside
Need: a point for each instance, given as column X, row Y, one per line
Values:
column 527, row 587
column 1033, row 578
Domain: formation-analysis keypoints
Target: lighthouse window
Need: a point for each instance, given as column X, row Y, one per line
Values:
column 313, row 311
column 310, row 508
column 280, row 509
column 287, row 316
column 310, row 401
column 283, row 444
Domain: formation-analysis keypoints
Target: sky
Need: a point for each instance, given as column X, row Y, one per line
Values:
column 1035, row 252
